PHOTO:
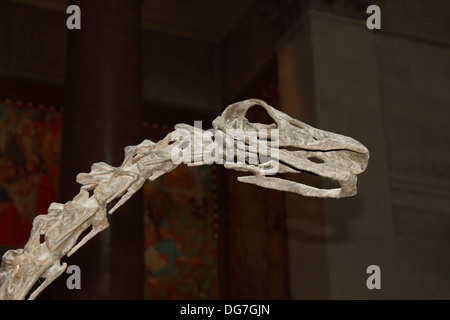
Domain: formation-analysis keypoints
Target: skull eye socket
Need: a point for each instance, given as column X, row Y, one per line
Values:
column 258, row 114
column 316, row 160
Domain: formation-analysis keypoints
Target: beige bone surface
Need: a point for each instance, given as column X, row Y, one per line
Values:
column 300, row 148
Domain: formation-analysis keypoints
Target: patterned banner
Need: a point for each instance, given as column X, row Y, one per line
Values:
column 180, row 238
column 29, row 167
column 179, row 215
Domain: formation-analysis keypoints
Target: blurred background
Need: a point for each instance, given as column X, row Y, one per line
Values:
column 70, row 98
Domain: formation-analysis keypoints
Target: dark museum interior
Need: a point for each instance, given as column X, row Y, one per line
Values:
column 134, row 69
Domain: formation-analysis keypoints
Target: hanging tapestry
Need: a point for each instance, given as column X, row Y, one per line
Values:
column 180, row 232
column 179, row 213
column 29, row 167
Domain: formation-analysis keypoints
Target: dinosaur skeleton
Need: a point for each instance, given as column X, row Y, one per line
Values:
column 287, row 144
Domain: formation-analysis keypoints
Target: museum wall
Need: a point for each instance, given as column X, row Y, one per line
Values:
column 414, row 82
column 33, row 46
column 244, row 52
column 178, row 72
column 389, row 90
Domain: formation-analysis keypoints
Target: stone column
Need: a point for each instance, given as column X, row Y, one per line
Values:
column 102, row 115
column 329, row 77
column 360, row 229
column 305, row 215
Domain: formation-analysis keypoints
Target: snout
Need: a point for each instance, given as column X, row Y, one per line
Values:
column 341, row 160
column 338, row 160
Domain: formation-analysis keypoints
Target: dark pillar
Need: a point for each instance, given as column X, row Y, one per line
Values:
column 102, row 115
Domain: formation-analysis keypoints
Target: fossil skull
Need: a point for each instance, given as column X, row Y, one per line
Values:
column 300, row 148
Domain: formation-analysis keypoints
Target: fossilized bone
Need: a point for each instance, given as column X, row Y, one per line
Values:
column 57, row 233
